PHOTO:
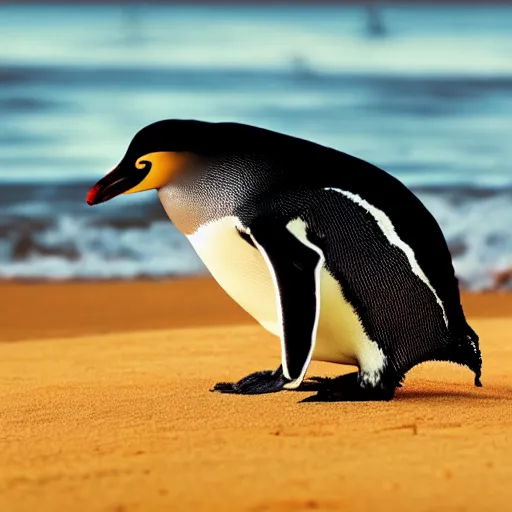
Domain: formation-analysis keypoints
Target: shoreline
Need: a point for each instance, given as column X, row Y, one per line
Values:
column 42, row 309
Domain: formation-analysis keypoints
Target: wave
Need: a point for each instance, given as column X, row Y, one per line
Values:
column 135, row 239
column 72, row 248
column 477, row 228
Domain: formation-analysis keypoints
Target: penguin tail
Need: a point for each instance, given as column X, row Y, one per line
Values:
column 465, row 350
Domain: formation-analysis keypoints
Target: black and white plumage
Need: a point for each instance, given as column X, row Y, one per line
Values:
column 329, row 252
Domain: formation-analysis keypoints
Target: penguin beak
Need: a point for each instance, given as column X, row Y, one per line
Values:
column 113, row 184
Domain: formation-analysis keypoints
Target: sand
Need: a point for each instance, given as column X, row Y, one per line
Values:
column 105, row 405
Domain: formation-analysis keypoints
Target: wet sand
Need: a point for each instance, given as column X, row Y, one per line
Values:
column 105, row 405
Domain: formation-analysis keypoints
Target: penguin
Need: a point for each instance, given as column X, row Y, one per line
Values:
column 328, row 252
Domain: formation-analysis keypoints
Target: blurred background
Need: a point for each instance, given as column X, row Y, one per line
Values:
column 423, row 91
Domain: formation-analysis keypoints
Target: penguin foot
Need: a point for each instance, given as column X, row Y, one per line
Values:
column 254, row 384
column 347, row 388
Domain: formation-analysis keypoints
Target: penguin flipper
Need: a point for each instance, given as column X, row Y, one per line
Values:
column 295, row 269
column 294, row 264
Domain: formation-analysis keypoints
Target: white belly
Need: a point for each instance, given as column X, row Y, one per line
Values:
column 241, row 270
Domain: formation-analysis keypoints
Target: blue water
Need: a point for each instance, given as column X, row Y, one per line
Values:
column 429, row 99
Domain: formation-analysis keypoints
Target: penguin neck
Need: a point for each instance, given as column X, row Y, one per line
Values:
column 213, row 187
column 191, row 206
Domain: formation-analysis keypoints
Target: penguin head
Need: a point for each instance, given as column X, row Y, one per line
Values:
column 156, row 155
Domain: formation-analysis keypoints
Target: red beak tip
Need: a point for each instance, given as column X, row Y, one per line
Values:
column 91, row 196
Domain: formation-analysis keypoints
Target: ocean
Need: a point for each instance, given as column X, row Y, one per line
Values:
column 423, row 92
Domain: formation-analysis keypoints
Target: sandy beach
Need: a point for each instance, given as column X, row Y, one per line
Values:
column 105, row 406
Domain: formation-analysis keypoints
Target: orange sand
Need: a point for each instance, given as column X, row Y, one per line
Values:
column 104, row 406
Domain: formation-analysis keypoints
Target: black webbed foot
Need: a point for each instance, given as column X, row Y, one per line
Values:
column 254, row 384
column 347, row 388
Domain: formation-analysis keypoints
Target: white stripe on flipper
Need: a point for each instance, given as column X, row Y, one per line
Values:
column 387, row 228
